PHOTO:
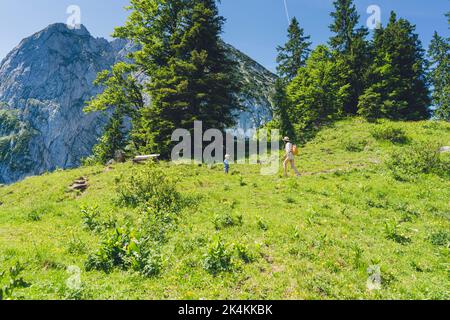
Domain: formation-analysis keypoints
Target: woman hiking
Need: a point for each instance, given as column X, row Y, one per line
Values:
column 289, row 157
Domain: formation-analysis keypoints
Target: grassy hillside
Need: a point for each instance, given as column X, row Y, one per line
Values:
column 371, row 195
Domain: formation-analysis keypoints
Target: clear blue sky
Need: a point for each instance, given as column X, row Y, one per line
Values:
column 254, row 26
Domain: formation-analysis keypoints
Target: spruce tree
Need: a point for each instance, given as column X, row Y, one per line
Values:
column 150, row 26
column 198, row 83
column 291, row 57
column 346, row 19
column 398, row 88
column 203, row 61
column 185, row 70
column 439, row 55
column 350, row 45
column 294, row 53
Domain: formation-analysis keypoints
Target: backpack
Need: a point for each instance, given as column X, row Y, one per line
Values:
column 295, row 150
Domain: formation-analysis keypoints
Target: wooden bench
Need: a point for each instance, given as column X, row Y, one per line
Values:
column 139, row 159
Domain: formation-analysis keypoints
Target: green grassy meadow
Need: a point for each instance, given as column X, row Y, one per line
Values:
column 312, row 237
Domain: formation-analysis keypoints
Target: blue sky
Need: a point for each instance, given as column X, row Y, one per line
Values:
column 254, row 26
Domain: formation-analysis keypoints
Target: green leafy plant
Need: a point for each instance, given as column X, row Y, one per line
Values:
column 244, row 253
column 93, row 220
column 262, row 224
column 15, row 282
column 218, row 258
column 227, row 220
column 358, row 257
column 76, row 246
column 127, row 250
column 90, row 217
column 440, row 238
column 115, row 251
column 152, row 264
column 34, row 216
column 393, row 233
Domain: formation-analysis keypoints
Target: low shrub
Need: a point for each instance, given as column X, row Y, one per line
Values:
column 423, row 158
column 156, row 225
column 388, row 132
column 90, row 217
column 150, row 186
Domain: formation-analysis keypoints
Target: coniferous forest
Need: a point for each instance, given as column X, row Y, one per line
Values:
column 189, row 76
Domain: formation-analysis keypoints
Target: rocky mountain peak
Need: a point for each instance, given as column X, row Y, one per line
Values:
column 62, row 28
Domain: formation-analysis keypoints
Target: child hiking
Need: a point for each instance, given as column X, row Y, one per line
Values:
column 226, row 164
column 290, row 157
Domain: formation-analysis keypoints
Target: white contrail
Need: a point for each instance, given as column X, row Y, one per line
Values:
column 287, row 11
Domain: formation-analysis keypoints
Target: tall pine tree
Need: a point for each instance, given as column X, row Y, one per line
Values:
column 291, row 57
column 350, row 45
column 294, row 53
column 398, row 88
column 439, row 55
column 187, row 73
column 198, row 83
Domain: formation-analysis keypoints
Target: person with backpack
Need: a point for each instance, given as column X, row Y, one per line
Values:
column 291, row 151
